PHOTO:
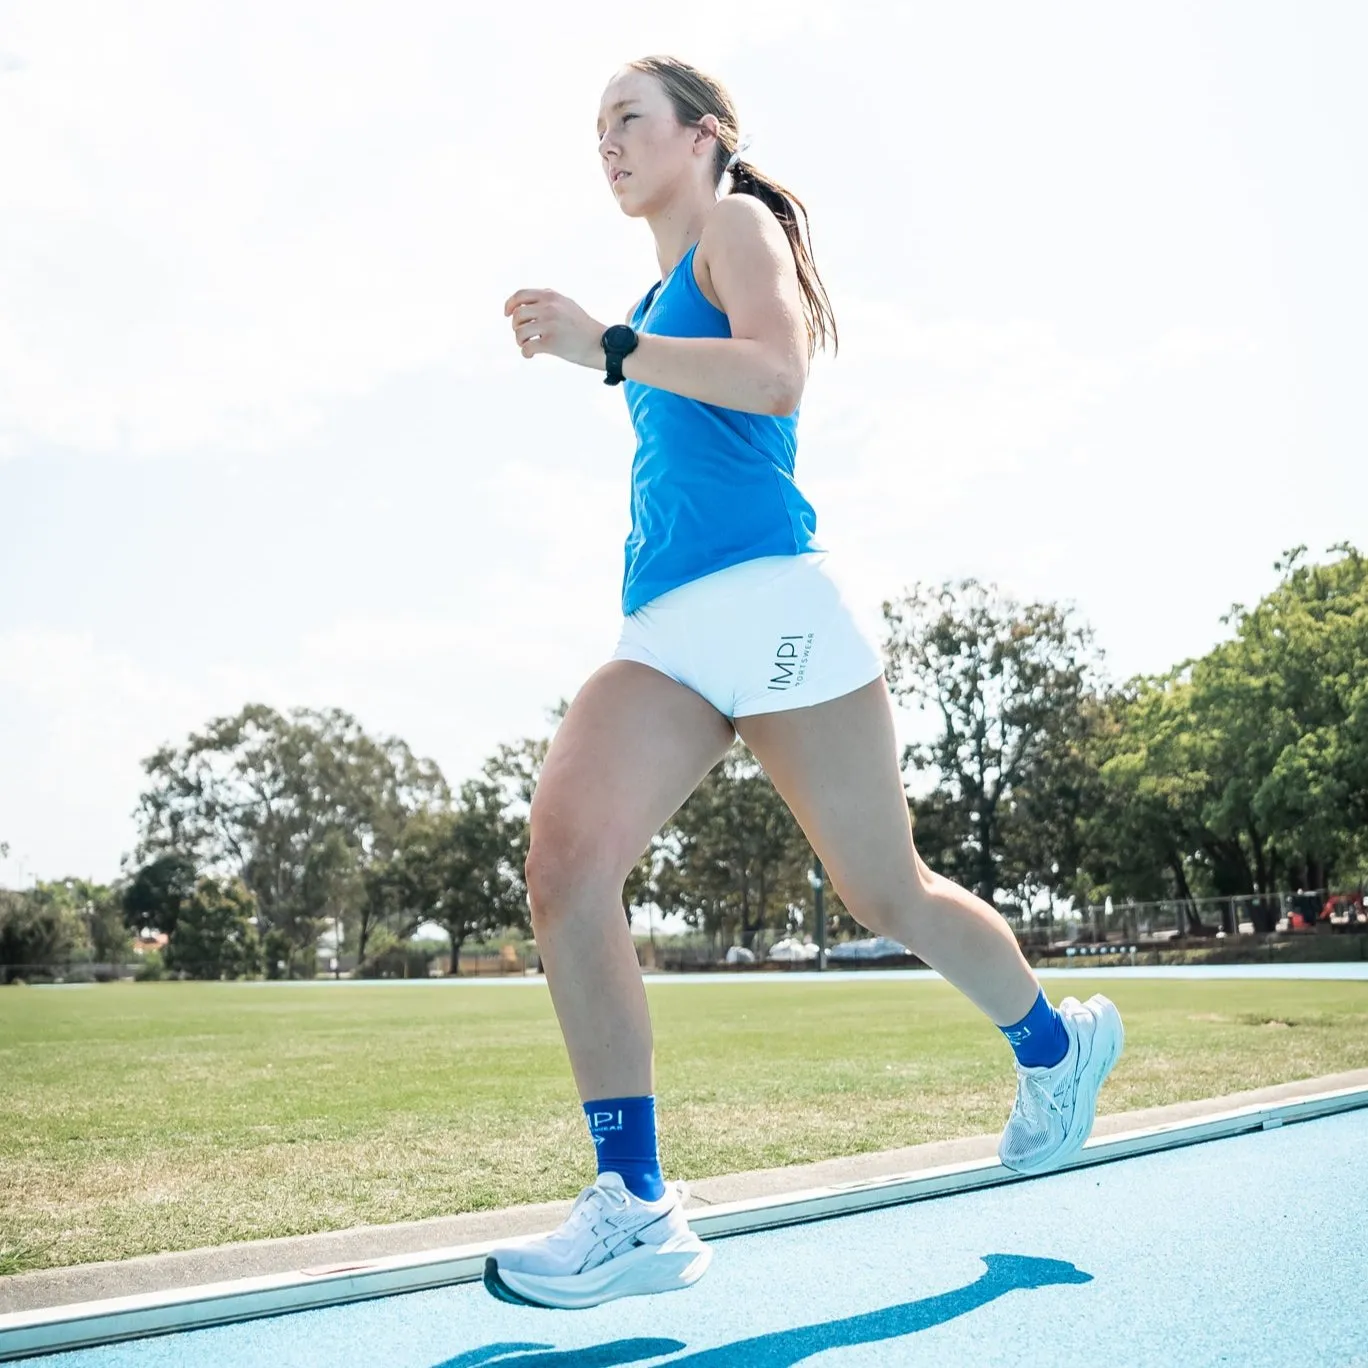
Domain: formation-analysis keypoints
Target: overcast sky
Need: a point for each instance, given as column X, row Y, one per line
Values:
column 1099, row 273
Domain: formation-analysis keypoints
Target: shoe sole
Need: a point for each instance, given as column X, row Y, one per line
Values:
column 638, row 1274
column 1109, row 1039
column 496, row 1287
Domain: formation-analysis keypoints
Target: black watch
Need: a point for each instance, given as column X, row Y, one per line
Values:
column 619, row 342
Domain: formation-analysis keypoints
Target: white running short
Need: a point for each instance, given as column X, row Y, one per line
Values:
column 764, row 636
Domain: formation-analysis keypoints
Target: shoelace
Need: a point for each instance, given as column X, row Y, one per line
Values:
column 1036, row 1086
column 612, row 1196
column 614, row 1200
column 583, row 1211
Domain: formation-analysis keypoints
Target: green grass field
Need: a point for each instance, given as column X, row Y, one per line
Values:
column 139, row 1118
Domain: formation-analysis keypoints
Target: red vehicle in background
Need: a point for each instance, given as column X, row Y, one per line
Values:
column 1340, row 912
column 1345, row 912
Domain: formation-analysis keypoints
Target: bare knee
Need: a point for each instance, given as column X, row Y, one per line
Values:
column 885, row 918
column 552, row 872
column 898, row 910
column 567, row 866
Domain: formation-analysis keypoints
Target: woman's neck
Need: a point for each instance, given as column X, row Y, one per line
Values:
column 676, row 229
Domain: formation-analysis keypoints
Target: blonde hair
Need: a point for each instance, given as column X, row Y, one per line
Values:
column 693, row 95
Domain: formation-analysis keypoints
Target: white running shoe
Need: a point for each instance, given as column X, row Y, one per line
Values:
column 1055, row 1106
column 613, row 1244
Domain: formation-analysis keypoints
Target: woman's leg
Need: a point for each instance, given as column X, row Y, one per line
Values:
column 836, row 766
column 631, row 749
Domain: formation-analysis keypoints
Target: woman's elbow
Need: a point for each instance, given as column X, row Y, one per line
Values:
column 785, row 395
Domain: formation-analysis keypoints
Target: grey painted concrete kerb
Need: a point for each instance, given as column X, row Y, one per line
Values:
column 190, row 1268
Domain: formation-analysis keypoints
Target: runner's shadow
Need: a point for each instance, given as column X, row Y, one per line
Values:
column 783, row 1348
column 547, row 1356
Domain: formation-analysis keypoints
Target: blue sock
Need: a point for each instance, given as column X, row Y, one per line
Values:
column 624, row 1131
column 1039, row 1038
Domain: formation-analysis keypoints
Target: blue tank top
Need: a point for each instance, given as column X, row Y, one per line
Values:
column 711, row 486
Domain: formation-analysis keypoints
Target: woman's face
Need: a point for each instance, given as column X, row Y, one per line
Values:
column 643, row 148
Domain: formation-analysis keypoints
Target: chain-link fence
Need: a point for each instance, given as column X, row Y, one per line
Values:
column 1255, row 914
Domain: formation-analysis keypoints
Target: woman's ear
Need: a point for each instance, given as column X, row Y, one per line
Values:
column 708, row 130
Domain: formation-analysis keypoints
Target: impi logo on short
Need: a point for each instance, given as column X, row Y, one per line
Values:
column 789, row 665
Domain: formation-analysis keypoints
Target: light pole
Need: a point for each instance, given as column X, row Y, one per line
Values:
column 816, row 882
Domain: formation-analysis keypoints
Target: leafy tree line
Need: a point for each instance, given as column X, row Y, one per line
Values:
column 1242, row 772
column 60, row 923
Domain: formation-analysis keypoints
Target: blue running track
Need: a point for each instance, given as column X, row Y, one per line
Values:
column 1247, row 1251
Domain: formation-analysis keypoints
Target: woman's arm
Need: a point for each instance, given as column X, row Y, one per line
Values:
column 761, row 368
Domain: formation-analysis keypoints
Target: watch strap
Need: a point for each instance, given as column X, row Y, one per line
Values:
column 614, row 353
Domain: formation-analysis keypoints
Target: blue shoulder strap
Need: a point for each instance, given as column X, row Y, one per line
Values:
column 650, row 295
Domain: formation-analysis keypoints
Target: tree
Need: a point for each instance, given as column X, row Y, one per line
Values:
column 459, row 868
column 1305, row 643
column 1044, row 834
column 1146, row 821
column 101, row 911
column 155, row 894
column 60, row 923
column 1246, row 770
column 330, row 884
column 214, row 936
column 733, row 860
column 259, row 795
column 400, row 889
column 38, row 932
column 381, row 907
column 508, row 782
column 1008, row 683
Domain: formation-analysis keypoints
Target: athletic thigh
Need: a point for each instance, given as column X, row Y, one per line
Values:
column 836, row 766
column 632, row 747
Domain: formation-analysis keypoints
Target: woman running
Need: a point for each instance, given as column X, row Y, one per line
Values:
column 732, row 625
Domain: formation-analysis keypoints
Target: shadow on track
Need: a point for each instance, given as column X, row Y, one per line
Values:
column 783, row 1348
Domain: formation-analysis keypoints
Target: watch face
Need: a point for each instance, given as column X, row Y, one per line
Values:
column 619, row 337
